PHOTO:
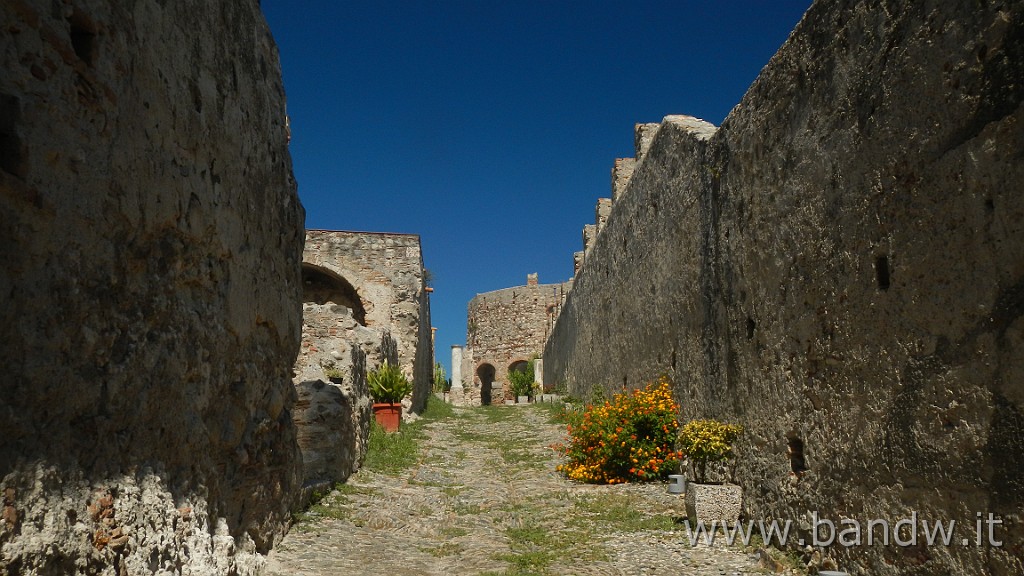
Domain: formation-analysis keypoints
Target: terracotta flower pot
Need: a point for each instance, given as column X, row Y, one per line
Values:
column 388, row 415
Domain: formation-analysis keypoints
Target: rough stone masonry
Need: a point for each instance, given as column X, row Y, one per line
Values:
column 359, row 289
column 150, row 253
column 506, row 327
column 840, row 268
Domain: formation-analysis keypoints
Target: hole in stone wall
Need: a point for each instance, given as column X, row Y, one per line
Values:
column 797, row 462
column 197, row 99
column 882, row 272
column 989, row 204
column 12, row 154
column 673, row 359
column 83, row 38
column 751, row 325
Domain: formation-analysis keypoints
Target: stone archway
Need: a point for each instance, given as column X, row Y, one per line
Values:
column 322, row 286
column 486, row 373
column 518, row 366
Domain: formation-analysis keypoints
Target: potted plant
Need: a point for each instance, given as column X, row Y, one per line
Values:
column 701, row 442
column 387, row 388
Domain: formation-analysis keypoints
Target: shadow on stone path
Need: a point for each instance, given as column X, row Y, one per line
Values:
column 485, row 499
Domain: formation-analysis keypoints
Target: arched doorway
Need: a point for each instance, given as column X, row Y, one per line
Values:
column 320, row 286
column 486, row 375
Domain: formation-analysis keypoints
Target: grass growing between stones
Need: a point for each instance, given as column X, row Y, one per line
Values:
column 331, row 505
column 445, row 549
column 545, row 541
column 541, row 545
column 555, row 411
column 622, row 513
column 394, row 453
column 496, row 414
column 522, row 457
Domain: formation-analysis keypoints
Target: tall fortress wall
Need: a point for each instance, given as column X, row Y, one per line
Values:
column 839, row 267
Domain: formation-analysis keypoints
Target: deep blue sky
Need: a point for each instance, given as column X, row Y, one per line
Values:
column 490, row 127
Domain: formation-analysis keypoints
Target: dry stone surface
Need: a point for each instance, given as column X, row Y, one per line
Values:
column 479, row 478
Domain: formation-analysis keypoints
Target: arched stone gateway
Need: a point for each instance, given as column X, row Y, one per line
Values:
column 321, row 286
column 486, row 373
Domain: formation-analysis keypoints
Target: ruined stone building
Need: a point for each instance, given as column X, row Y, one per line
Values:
column 838, row 267
column 361, row 290
column 150, row 249
column 505, row 329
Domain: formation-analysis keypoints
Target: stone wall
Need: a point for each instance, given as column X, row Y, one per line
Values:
column 503, row 327
column 149, row 267
column 839, row 268
column 385, row 275
column 358, row 289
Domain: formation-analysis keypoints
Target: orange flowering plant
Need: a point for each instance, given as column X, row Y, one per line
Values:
column 629, row 438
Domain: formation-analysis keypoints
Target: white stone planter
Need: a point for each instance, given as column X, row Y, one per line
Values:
column 707, row 502
column 523, row 399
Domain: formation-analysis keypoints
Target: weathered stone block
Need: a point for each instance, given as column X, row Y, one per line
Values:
column 333, row 424
column 622, row 171
column 589, row 236
column 713, row 502
column 602, row 212
column 643, row 135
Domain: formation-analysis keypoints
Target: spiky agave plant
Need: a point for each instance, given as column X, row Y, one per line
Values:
column 388, row 384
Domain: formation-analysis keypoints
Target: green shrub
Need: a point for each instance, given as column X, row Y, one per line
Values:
column 388, row 384
column 704, row 441
column 522, row 381
column 629, row 438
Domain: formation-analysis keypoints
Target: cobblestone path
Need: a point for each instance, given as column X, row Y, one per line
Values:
column 484, row 498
